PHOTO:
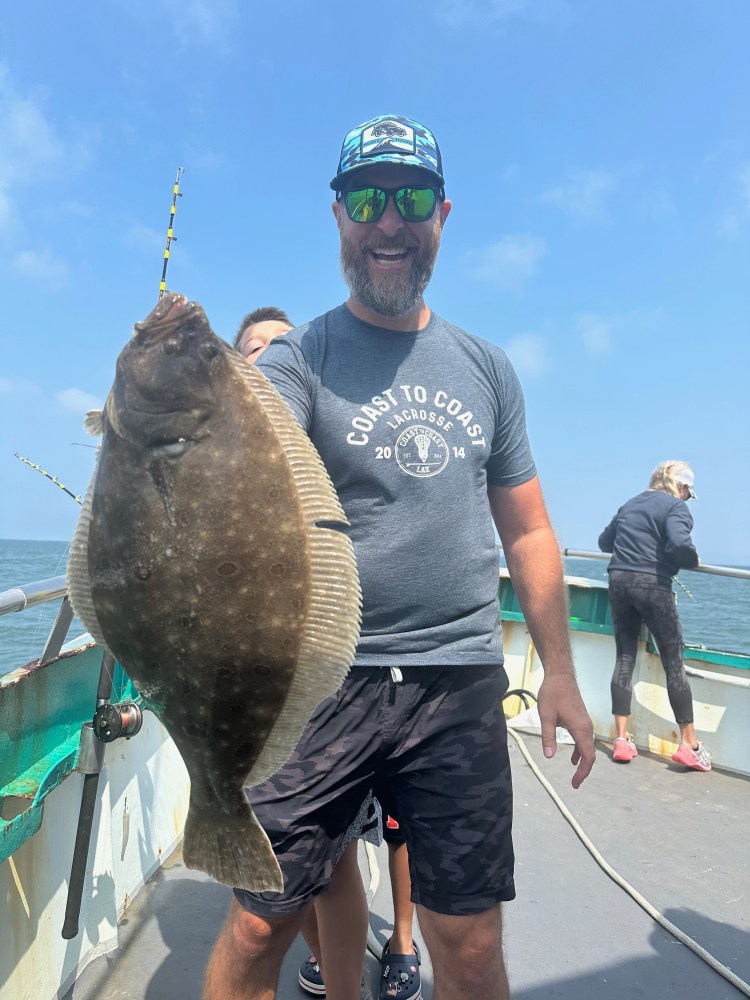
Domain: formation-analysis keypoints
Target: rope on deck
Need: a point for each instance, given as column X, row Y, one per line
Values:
column 673, row 929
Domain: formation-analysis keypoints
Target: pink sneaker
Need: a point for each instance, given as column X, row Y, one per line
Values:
column 624, row 749
column 699, row 759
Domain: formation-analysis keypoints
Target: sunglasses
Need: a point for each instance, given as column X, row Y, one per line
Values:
column 414, row 204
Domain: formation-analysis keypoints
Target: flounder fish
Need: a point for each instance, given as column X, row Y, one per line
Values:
column 209, row 559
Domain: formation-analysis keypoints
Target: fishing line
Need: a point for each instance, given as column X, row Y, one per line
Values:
column 683, row 587
column 43, row 611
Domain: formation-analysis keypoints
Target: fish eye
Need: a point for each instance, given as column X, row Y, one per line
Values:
column 208, row 349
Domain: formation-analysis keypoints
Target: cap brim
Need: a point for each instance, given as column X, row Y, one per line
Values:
column 341, row 179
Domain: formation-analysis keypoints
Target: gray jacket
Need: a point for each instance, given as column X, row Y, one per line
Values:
column 650, row 533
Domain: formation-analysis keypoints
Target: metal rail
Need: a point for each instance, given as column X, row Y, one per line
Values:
column 742, row 574
column 31, row 594
column 41, row 592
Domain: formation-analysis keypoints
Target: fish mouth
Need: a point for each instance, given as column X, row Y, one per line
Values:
column 165, row 388
column 177, row 327
column 168, row 313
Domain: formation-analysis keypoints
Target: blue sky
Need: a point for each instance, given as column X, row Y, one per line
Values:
column 598, row 160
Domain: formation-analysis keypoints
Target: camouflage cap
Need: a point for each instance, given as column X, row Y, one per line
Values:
column 389, row 139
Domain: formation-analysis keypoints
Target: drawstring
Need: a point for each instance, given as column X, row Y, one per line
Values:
column 396, row 675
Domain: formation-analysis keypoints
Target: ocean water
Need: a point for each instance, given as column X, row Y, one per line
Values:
column 714, row 610
column 23, row 633
column 715, row 613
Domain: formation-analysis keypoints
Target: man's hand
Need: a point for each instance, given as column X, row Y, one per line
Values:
column 535, row 566
column 560, row 704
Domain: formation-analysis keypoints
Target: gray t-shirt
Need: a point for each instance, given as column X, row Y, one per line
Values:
column 412, row 427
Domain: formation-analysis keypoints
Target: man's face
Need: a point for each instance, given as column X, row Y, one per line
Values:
column 256, row 338
column 388, row 264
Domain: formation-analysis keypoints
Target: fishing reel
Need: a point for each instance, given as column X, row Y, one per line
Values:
column 113, row 721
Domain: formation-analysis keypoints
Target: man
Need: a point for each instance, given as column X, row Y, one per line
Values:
column 422, row 429
column 345, row 895
column 258, row 329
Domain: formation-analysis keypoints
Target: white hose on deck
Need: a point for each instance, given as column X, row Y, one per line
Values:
column 701, row 952
column 373, row 944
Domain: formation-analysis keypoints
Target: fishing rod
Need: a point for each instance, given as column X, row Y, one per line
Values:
column 110, row 722
column 53, row 479
column 176, row 193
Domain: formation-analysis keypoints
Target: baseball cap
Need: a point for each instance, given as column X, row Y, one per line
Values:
column 687, row 479
column 389, row 139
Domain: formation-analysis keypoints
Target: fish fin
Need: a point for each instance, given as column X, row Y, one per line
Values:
column 77, row 573
column 327, row 648
column 232, row 848
column 331, row 629
column 94, row 423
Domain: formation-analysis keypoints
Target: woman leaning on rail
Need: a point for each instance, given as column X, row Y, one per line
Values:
column 649, row 538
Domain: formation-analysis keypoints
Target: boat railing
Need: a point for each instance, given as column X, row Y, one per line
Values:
column 736, row 571
column 30, row 595
column 42, row 591
column 19, row 598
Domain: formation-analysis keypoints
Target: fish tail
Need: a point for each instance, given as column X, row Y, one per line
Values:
column 232, row 848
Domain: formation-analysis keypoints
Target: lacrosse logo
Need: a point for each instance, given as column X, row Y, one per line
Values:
column 421, row 452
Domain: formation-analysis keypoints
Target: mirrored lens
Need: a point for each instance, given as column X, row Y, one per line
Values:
column 365, row 205
column 415, row 204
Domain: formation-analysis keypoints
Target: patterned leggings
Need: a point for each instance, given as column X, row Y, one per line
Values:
column 637, row 598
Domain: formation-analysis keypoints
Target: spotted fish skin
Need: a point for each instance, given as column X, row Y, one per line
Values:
column 199, row 562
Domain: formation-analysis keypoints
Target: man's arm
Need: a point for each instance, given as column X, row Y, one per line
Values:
column 535, row 566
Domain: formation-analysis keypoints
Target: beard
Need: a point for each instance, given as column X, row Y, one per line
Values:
column 383, row 293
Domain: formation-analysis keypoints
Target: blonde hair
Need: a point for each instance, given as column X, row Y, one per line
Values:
column 669, row 476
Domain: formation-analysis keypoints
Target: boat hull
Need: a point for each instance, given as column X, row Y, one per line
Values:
column 144, row 786
column 142, row 804
column 720, row 681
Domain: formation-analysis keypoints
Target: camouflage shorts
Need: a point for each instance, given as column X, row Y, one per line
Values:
column 434, row 747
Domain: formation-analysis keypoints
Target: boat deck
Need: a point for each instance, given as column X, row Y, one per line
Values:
column 678, row 837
